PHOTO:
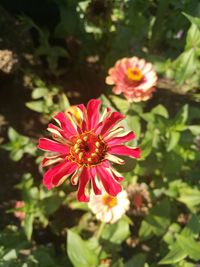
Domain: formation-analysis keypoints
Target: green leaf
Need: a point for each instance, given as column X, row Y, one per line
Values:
column 121, row 104
column 193, row 39
column 118, row 263
column 134, row 124
column 63, row 102
column 193, row 20
column 50, row 204
column 145, row 231
column 190, row 197
column 175, row 255
column 181, row 117
column 160, row 110
column 13, row 134
column 116, row 233
column 128, row 166
column 159, row 217
column 37, row 106
column 12, row 254
column 146, row 148
column 16, row 155
column 78, row 252
column 189, row 246
column 137, row 260
column 173, row 140
column 194, row 225
column 28, row 225
column 195, row 129
column 185, row 65
column 39, row 92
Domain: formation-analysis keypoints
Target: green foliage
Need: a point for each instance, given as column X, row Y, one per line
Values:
column 47, row 100
column 16, row 251
column 118, row 232
column 93, row 35
column 51, row 52
column 39, row 204
column 83, row 256
column 185, row 68
column 18, row 145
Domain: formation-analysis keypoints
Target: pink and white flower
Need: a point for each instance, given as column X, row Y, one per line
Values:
column 133, row 77
column 108, row 208
column 85, row 148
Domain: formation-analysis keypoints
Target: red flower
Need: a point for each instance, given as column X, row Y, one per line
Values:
column 85, row 149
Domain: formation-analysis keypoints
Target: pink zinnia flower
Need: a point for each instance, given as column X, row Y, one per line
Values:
column 133, row 77
column 85, row 149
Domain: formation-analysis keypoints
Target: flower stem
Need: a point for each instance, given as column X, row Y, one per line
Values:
column 100, row 230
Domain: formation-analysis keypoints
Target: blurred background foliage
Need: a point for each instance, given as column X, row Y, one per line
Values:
column 57, row 52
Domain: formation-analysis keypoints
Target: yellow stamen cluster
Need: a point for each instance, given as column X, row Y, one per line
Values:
column 134, row 74
column 88, row 149
column 109, row 201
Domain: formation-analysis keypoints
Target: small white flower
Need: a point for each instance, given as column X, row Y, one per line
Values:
column 108, row 208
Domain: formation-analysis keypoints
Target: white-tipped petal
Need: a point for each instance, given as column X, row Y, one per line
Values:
column 115, row 159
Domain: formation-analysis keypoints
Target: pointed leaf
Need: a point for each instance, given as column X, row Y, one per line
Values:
column 78, row 251
column 175, row 255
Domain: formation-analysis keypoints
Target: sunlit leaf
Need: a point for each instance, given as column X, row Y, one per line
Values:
column 78, row 252
column 175, row 255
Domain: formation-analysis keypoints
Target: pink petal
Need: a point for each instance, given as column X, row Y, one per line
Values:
column 75, row 176
column 83, row 110
column 147, row 67
column 54, row 175
column 65, row 170
column 95, row 188
column 126, row 151
column 93, row 107
column 117, row 175
column 111, row 121
column 49, row 145
column 108, row 181
column 65, row 123
column 117, row 89
column 51, row 160
column 109, row 80
column 83, row 181
column 121, row 139
column 56, row 131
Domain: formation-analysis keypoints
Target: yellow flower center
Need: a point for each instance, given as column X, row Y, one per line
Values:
column 109, row 201
column 134, row 74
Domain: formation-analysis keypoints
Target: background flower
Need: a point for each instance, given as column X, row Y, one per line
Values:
column 108, row 208
column 140, row 199
column 133, row 77
column 19, row 214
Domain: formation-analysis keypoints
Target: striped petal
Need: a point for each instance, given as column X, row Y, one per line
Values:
column 125, row 150
column 121, row 139
column 49, row 145
column 54, row 176
column 83, row 181
column 65, row 123
column 108, row 181
column 111, row 121
column 93, row 107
